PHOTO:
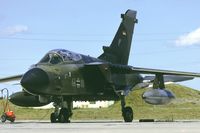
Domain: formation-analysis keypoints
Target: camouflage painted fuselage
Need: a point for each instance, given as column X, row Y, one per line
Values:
column 78, row 78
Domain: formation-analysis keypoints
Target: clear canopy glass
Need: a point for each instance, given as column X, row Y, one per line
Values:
column 60, row 55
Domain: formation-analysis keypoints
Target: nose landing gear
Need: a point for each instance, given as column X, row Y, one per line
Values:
column 62, row 112
column 64, row 115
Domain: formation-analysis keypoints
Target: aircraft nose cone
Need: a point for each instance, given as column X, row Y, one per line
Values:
column 35, row 79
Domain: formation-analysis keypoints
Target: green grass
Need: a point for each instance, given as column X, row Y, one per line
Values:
column 185, row 106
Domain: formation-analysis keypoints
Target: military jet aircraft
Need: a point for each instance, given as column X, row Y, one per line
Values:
column 63, row 76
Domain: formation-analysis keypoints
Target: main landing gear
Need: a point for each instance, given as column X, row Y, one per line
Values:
column 62, row 112
column 127, row 112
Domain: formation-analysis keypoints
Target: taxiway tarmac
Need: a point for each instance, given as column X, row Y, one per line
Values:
column 100, row 127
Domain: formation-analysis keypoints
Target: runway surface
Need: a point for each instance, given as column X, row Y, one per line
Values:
column 100, row 127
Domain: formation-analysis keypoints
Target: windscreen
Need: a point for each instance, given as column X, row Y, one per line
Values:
column 60, row 55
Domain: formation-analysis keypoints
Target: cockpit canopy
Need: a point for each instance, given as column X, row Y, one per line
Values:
column 60, row 55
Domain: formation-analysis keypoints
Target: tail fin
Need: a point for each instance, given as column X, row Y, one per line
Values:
column 118, row 51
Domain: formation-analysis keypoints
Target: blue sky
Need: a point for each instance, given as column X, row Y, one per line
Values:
column 167, row 35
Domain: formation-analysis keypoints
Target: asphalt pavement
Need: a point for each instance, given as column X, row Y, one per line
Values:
column 99, row 126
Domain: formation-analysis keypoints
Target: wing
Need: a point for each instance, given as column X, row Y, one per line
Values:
column 11, row 78
column 158, row 80
column 169, row 78
column 129, row 69
column 148, row 80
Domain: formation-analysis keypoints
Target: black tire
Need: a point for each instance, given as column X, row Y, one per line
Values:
column 127, row 114
column 53, row 118
column 64, row 116
column 3, row 118
column 12, row 120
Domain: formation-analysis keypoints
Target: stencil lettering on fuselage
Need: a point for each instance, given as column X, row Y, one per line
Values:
column 78, row 83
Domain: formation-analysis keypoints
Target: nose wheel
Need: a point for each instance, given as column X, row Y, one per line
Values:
column 53, row 118
column 64, row 116
column 61, row 115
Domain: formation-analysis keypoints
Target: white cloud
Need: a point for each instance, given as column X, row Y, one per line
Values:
column 12, row 30
column 192, row 38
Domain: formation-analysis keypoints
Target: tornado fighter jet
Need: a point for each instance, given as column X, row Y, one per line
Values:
column 63, row 76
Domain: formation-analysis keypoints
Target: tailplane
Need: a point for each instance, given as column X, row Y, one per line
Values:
column 118, row 51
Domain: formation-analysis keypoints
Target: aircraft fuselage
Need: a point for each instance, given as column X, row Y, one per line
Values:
column 76, row 78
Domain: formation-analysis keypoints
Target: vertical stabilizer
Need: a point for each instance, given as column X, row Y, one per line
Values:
column 118, row 51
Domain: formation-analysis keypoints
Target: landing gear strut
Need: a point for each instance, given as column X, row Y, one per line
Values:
column 62, row 113
column 127, row 112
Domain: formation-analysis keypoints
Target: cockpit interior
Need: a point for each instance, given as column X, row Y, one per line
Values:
column 60, row 55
